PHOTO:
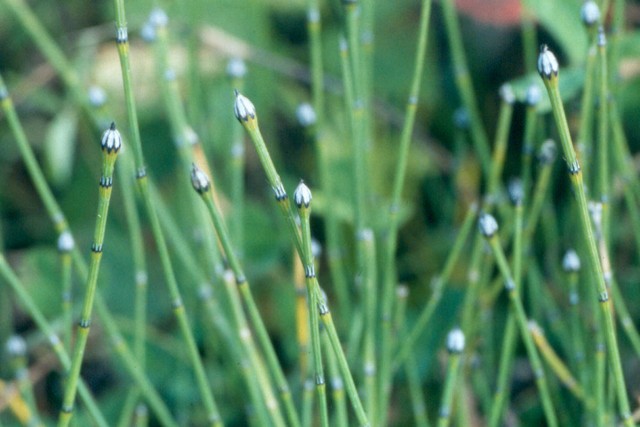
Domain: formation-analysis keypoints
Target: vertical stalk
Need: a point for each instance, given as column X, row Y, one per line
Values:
column 122, row 42
column 489, row 228
column 465, row 85
column 302, row 198
column 455, row 346
column 245, row 112
column 201, row 184
column 548, row 69
column 111, row 143
column 390, row 237
column 47, row 330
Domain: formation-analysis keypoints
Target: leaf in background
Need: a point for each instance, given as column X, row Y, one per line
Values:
column 493, row 12
column 59, row 146
column 571, row 83
column 562, row 20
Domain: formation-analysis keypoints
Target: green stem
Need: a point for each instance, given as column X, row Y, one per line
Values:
column 464, row 84
column 110, row 149
column 606, row 305
column 56, row 344
column 521, row 319
column 122, row 41
column 254, row 315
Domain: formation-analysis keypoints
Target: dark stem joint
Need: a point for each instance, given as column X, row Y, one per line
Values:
column 96, row 248
column 310, row 271
column 176, row 303
column 84, row 323
column 3, row 93
column 141, row 173
column 603, row 296
column 106, row 182
column 66, row 409
column 240, row 279
column 323, row 308
column 574, row 167
column 319, row 380
column 122, row 35
column 280, row 192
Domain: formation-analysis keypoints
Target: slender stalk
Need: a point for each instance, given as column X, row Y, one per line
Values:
column 548, row 69
column 571, row 265
column 65, row 245
column 368, row 283
column 455, row 346
column 391, row 236
column 528, row 139
column 418, row 327
column 61, row 225
column 122, row 42
column 16, row 348
column 489, row 228
column 111, row 143
column 302, row 198
column 511, row 329
column 500, row 145
column 246, row 113
column 201, row 184
column 333, row 238
column 340, row 418
column 556, row 364
column 410, row 365
column 603, row 132
column 464, row 84
column 54, row 341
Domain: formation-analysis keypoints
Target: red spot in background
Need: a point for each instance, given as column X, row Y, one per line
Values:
column 492, row 12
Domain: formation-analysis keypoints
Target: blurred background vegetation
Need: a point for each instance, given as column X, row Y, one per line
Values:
column 443, row 176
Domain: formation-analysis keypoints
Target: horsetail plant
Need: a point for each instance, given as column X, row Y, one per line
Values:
column 245, row 112
column 110, row 144
column 302, row 198
column 455, row 347
column 60, row 224
column 200, row 182
column 489, row 229
column 548, row 69
column 122, row 43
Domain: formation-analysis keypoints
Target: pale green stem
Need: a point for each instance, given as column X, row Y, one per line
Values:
column 84, row 325
column 586, row 229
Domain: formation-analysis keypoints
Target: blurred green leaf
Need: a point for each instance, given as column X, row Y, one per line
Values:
column 60, row 145
column 571, row 83
column 562, row 20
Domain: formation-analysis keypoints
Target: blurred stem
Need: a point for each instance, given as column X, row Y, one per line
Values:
column 391, row 236
column 464, row 84
column 56, row 345
column 122, row 41
column 603, row 135
column 521, row 319
column 500, row 147
column 254, row 317
column 585, row 133
column 333, row 236
column 60, row 224
column 418, row 327
column 510, row 334
column 451, row 378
